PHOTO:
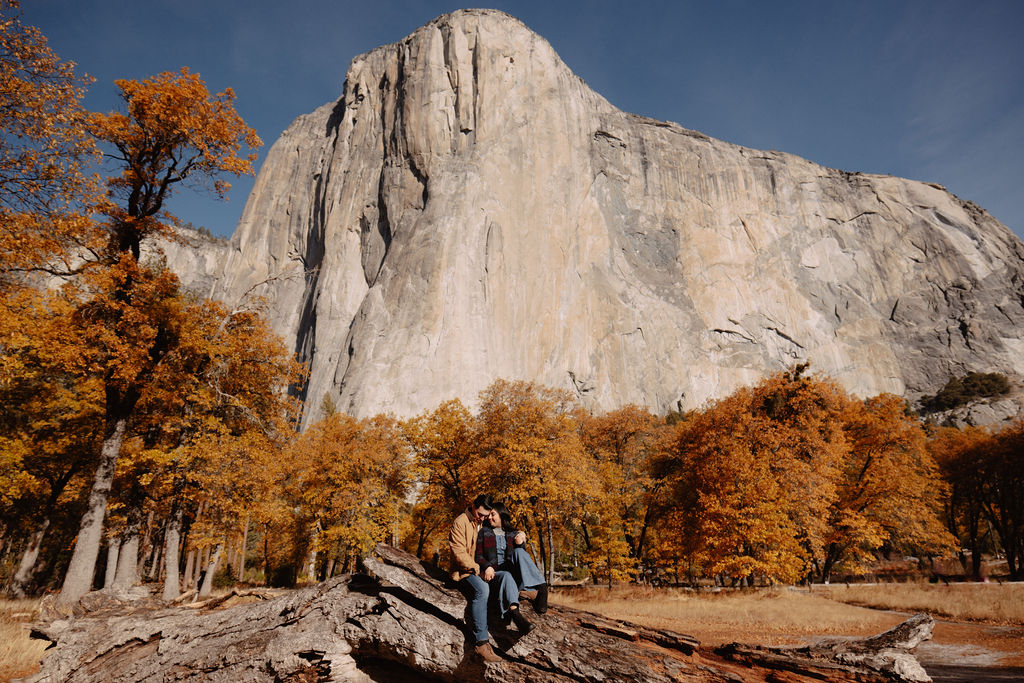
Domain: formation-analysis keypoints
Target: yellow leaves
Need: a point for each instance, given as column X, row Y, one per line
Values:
column 794, row 471
column 44, row 150
column 350, row 476
column 172, row 130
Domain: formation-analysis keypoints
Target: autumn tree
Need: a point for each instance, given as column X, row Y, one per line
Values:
column 45, row 191
column 616, row 523
column 889, row 490
column 171, row 132
column 350, row 478
column 961, row 454
column 50, row 425
column 760, row 472
column 444, row 448
column 1003, row 494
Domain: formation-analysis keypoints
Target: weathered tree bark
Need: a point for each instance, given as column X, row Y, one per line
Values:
column 891, row 652
column 172, row 537
column 211, row 570
column 243, row 549
column 78, row 579
column 27, row 567
column 399, row 621
column 113, row 550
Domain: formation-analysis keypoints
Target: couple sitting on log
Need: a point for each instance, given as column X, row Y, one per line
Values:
column 490, row 565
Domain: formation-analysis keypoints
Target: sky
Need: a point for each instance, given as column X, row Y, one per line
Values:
column 926, row 89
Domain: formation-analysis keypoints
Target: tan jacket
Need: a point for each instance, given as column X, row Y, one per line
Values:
column 462, row 543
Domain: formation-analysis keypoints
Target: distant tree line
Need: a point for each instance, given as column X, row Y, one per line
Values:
column 960, row 391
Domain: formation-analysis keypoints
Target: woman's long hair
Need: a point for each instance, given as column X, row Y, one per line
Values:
column 506, row 516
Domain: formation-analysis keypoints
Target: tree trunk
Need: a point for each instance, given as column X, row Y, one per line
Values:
column 398, row 621
column 245, row 546
column 266, row 555
column 190, row 563
column 211, row 570
column 543, row 546
column 154, row 563
column 128, row 559
column 171, row 554
column 202, row 559
column 78, row 579
column 27, row 568
column 551, row 551
column 113, row 549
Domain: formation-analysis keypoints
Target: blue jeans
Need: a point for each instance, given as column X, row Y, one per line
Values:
column 517, row 572
column 477, row 592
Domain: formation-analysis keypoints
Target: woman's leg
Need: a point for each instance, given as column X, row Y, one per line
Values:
column 508, row 601
column 528, row 576
column 504, row 586
column 524, row 569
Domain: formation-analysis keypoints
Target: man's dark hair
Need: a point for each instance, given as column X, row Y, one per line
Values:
column 484, row 500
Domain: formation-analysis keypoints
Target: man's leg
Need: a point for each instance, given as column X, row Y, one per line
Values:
column 477, row 591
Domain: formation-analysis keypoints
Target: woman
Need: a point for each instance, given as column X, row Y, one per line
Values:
column 508, row 568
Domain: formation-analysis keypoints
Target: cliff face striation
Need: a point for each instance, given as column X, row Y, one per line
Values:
column 470, row 209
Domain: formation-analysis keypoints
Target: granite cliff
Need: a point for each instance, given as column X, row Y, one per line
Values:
column 469, row 209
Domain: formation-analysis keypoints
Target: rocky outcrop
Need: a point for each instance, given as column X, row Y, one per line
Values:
column 469, row 209
column 399, row 621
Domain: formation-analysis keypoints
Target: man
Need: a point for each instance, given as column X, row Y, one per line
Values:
column 466, row 572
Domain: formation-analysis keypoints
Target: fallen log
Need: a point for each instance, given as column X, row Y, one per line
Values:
column 399, row 620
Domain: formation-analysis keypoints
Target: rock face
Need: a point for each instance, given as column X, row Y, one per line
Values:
column 470, row 209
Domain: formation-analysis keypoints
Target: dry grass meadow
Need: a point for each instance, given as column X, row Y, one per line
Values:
column 19, row 655
column 770, row 616
column 991, row 603
column 787, row 616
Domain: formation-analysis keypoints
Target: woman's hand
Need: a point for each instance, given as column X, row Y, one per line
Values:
column 488, row 574
column 520, row 538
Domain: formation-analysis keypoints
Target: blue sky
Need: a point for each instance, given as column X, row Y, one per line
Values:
column 931, row 90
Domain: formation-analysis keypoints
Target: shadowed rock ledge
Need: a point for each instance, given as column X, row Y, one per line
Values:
column 399, row 621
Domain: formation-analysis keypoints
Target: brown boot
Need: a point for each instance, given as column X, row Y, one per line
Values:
column 486, row 653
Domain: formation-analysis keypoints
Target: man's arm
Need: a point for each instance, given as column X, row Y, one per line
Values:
column 458, row 541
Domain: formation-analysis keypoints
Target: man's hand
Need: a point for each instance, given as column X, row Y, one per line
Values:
column 520, row 538
column 488, row 574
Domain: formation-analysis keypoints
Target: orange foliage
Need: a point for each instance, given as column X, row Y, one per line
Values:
column 793, row 475
column 44, row 150
column 172, row 131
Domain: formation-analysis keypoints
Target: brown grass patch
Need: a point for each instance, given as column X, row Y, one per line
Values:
column 987, row 602
column 770, row 616
column 19, row 655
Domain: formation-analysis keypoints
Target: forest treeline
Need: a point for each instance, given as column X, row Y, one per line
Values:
column 150, row 434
